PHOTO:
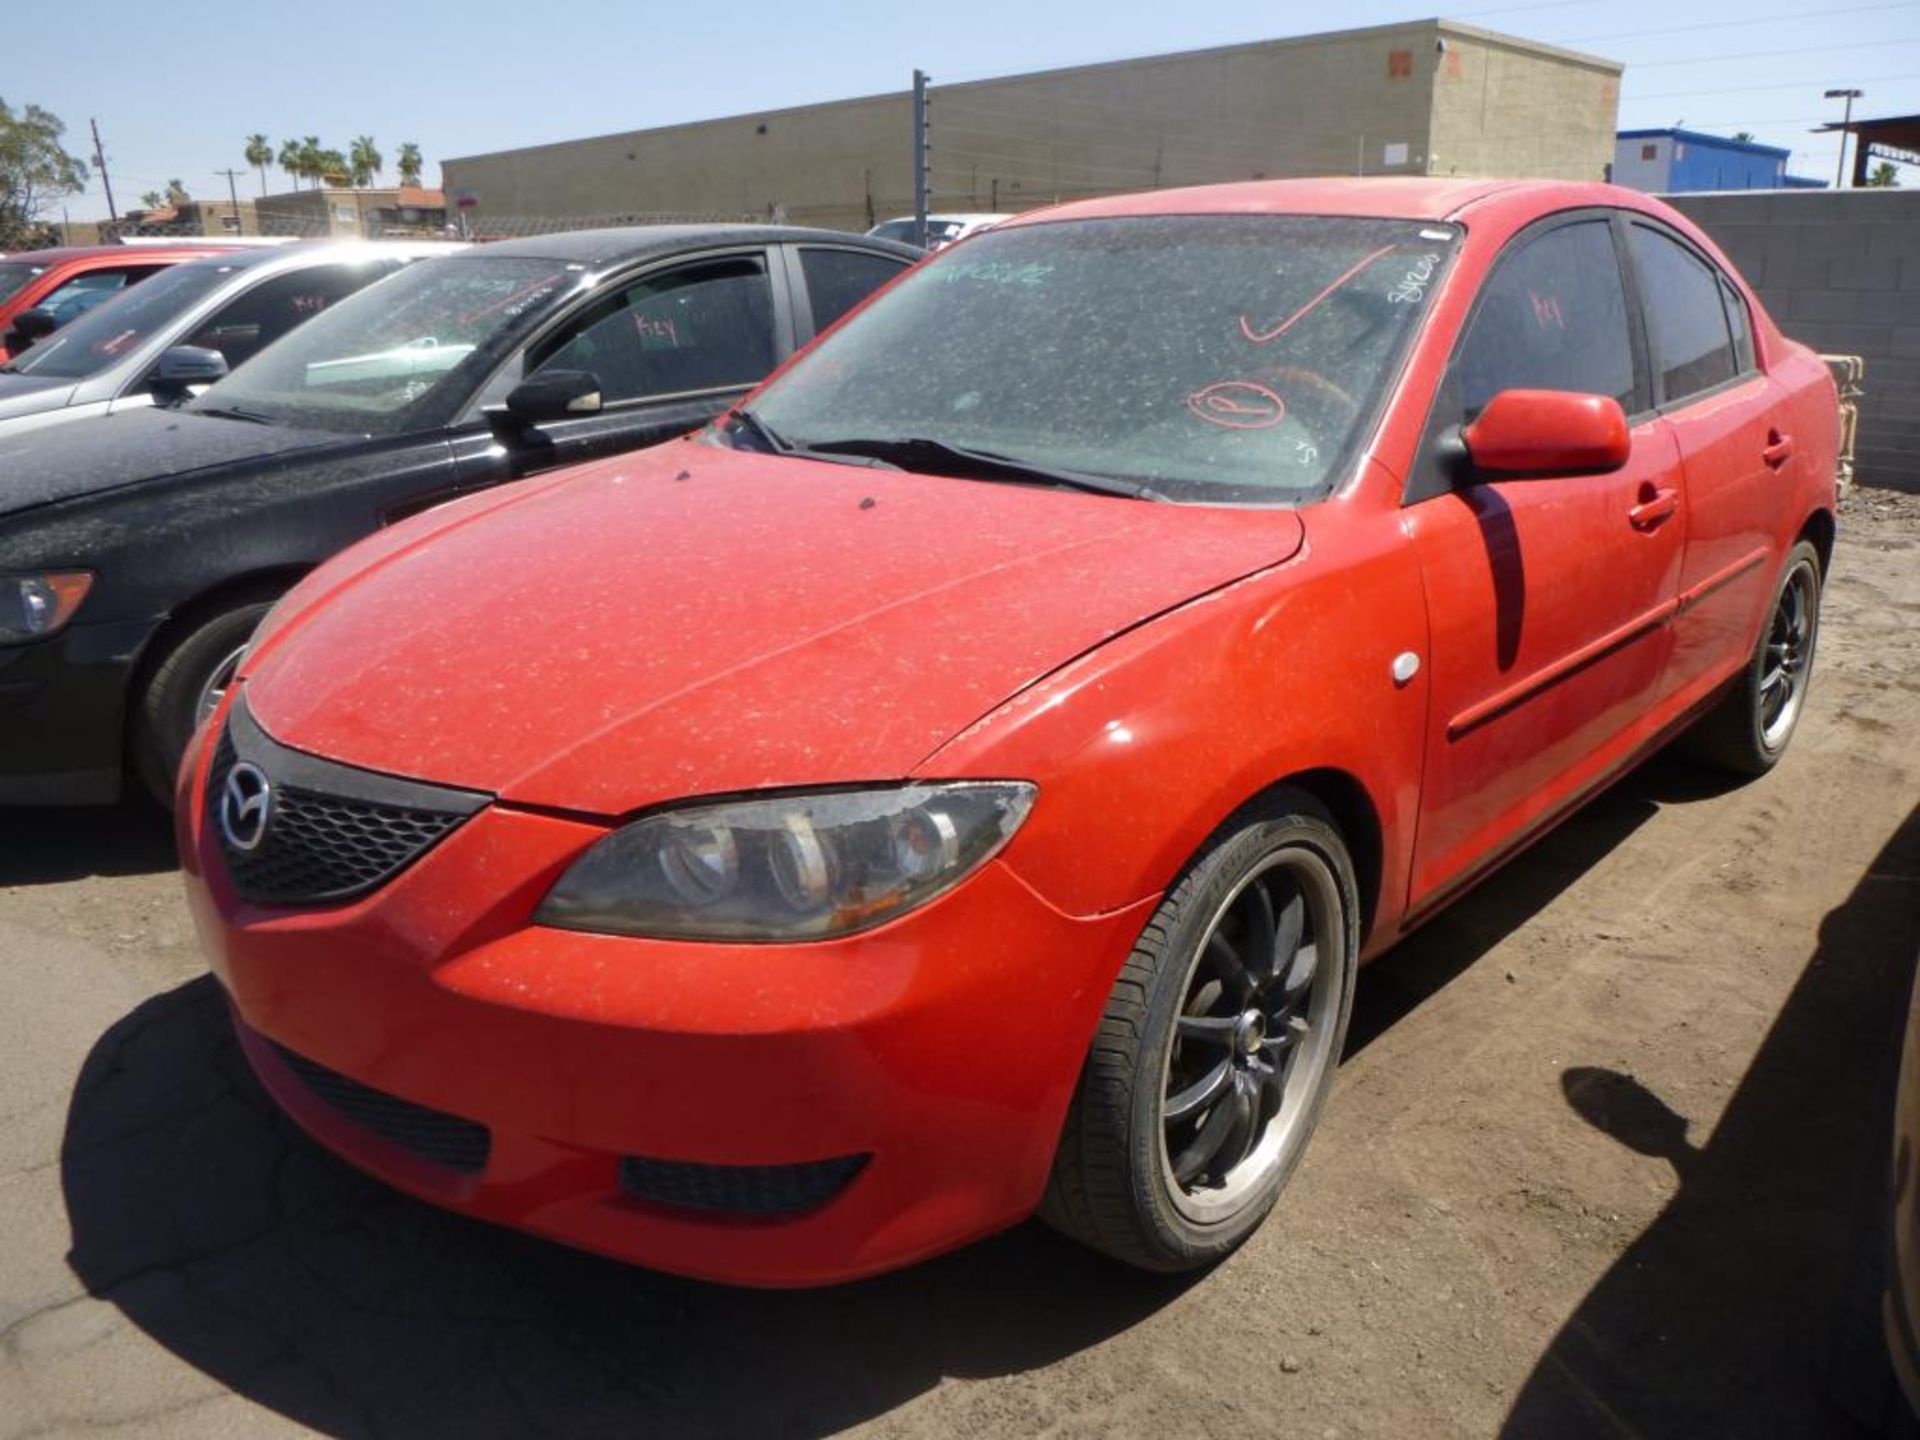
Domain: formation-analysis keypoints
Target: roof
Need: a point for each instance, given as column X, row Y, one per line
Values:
column 415, row 197
column 633, row 242
column 1381, row 197
column 1900, row 131
column 1702, row 137
column 67, row 254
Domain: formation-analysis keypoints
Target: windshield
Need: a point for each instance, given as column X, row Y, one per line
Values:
column 399, row 355
column 1210, row 358
column 14, row 274
column 115, row 327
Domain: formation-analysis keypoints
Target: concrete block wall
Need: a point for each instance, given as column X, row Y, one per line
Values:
column 1839, row 270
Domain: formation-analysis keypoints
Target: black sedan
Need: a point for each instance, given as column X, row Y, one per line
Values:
column 138, row 551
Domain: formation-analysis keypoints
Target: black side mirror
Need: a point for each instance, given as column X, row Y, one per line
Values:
column 29, row 326
column 550, row 395
column 184, row 366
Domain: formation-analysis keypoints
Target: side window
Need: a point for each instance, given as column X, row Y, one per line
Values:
column 704, row 326
column 838, row 280
column 90, row 288
column 1686, row 318
column 1553, row 316
column 248, row 324
column 1742, row 324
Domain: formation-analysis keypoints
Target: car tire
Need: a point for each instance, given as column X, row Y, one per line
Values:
column 193, row 671
column 1748, row 729
column 1136, row 1180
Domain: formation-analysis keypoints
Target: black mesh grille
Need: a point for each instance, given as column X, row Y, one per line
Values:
column 433, row 1135
column 763, row 1190
column 322, row 843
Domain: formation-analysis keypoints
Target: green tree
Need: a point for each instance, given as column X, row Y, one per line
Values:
column 291, row 161
column 1885, row 176
column 365, row 160
column 310, row 153
column 177, row 194
column 330, row 167
column 259, row 153
column 410, row 164
column 1743, row 137
column 152, row 200
column 35, row 171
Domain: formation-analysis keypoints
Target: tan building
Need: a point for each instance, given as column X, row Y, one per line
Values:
column 329, row 212
column 1429, row 97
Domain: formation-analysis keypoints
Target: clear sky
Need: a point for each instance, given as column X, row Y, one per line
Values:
column 177, row 88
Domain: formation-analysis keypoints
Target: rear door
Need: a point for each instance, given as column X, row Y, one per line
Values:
column 1548, row 598
column 1734, row 449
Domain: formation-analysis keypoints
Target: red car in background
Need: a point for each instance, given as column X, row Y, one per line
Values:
column 967, row 778
column 69, row 279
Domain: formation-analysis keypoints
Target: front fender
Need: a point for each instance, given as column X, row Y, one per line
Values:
column 1144, row 746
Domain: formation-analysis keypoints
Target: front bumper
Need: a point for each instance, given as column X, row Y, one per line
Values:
column 62, row 709
column 942, row 1048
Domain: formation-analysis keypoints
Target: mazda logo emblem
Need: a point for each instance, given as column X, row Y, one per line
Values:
column 246, row 804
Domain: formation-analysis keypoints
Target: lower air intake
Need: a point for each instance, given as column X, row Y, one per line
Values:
column 433, row 1135
column 758, row 1191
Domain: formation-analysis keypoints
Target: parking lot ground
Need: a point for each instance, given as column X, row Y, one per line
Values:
column 1603, row 1159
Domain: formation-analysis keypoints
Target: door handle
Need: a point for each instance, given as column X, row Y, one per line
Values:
column 1778, row 449
column 1654, row 507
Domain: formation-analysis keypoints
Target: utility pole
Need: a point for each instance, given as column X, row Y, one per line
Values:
column 100, row 162
column 1846, row 124
column 233, row 195
column 920, row 167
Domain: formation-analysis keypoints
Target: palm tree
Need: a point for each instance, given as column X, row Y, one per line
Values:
column 332, row 167
column 177, row 194
column 292, row 160
column 152, row 200
column 259, row 154
column 409, row 164
column 310, row 153
column 365, row 159
column 1885, row 176
column 1743, row 137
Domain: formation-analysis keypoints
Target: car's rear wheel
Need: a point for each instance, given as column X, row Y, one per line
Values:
column 1748, row 730
column 1217, row 1048
column 184, row 688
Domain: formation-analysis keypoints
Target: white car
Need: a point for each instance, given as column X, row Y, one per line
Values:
column 164, row 339
column 942, row 230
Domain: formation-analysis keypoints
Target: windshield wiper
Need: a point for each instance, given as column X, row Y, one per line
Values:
column 774, row 443
column 937, row 457
column 233, row 412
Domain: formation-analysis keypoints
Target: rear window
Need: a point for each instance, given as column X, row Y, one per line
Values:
column 838, row 280
column 1687, row 327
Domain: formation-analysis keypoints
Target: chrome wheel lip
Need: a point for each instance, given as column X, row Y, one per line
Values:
column 1787, row 656
column 1286, row 1130
column 215, row 688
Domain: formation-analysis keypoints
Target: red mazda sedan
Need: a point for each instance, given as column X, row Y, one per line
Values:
column 967, row 778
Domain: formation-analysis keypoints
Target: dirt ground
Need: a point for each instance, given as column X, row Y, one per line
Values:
column 1603, row 1159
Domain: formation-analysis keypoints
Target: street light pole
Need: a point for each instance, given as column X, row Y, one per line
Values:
column 1846, row 125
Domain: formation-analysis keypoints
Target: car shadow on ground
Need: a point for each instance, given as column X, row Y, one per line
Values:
column 223, row 1233
column 47, row 846
column 1745, row 1308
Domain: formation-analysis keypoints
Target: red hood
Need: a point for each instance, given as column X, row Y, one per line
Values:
column 691, row 620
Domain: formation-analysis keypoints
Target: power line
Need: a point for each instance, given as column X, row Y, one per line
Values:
column 1747, row 22
column 1764, row 54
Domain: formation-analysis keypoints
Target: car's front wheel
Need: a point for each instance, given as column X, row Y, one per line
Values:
column 1217, row 1048
column 184, row 688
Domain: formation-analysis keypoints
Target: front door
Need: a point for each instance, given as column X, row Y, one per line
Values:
column 1548, row 598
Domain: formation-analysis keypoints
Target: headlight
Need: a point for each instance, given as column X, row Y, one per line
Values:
column 796, row 867
column 35, row 606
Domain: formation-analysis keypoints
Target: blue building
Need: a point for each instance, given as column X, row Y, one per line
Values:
column 1664, row 162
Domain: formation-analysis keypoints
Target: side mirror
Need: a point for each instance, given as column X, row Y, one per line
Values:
column 185, row 365
column 31, row 325
column 1547, row 432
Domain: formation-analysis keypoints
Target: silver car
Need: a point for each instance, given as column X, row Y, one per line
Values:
column 169, row 336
